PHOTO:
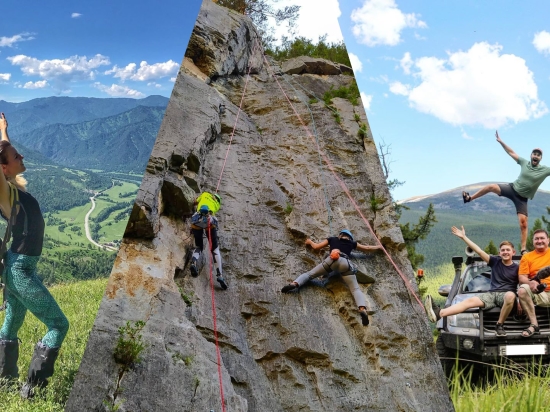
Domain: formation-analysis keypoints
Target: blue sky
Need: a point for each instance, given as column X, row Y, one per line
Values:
column 438, row 78
column 94, row 49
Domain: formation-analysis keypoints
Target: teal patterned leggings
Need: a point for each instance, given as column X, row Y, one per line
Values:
column 26, row 291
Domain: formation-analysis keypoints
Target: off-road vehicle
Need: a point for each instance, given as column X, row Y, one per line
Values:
column 471, row 336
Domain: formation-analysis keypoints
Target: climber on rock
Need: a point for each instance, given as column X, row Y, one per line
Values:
column 338, row 261
column 531, row 176
column 204, row 221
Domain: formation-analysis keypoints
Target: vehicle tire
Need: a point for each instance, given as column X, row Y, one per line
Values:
column 447, row 356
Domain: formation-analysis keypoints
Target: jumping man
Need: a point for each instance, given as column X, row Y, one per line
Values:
column 531, row 176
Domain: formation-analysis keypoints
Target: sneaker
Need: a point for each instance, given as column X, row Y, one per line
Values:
column 194, row 270
column 289, row 288
column 222, row 283
column 500, row 331
column 432, row 309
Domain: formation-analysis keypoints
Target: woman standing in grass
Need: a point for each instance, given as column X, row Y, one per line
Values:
column 24, row 289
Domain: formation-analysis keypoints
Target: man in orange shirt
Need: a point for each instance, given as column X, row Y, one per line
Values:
column 529, row 266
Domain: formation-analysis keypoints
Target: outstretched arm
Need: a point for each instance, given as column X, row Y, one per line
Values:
column 4, row 127
column 4, row 188
column 317, row 246
column 507, row 148
column 462, row 234
column 365, row 248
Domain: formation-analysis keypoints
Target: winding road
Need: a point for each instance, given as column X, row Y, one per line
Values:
column 87, row 225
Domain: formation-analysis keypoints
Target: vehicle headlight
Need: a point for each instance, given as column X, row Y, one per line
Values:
column 464, row 320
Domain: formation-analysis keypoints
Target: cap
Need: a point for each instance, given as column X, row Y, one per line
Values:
column 536, row 149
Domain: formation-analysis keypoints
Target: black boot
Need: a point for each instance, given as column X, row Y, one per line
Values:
column 40, row 370
column 9, row 353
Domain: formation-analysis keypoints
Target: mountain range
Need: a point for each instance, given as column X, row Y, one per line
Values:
column 111, row 134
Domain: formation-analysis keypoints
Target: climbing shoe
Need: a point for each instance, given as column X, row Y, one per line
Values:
column 364, row 317
column 289, row 288
column 194, row 270
column 221, row 281
column 500, row 331
column 432, row 309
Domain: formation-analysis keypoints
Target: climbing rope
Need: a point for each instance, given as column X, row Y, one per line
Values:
column 236, row 118
column 218, row 355
column 214, row 317
column 327, row 204
column 342, row 184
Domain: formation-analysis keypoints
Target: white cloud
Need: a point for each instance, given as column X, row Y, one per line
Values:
column 315, row 20
column 400, row 88
column 40, row 84
column 478, row 87
column 406, row 63
column 366, row 99
column 60, row 71
column 116, row 90
column 466, row 135
column 380, row 22
column 355, row 63
column 154, row 84
column 172, row 79
column 75, row 15
column 541, row 41
column 10, row 41
column 5, row 76
column 146, row 71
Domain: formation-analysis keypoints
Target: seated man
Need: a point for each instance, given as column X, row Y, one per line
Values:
column 204, row 221
column 502, row 293
column 528, row 292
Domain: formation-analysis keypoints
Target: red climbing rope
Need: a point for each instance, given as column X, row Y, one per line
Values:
column 343, row 185
column 214, row 317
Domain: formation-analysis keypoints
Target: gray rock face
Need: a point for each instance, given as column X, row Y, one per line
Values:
column 304, row 351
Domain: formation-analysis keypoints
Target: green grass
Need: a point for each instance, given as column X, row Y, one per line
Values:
column 80, row 302
column 508, row 392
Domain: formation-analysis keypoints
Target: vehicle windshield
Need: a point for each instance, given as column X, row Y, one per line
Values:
column 477, row 279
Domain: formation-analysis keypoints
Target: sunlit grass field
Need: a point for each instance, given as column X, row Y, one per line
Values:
column 80, row 302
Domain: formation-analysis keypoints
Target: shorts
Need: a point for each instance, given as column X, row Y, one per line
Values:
column 520, row 202
column 541, row 299
column 492, row 299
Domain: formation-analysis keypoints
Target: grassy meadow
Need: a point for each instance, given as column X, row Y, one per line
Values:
column 80, row 302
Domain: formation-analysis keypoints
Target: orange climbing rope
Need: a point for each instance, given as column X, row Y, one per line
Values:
column 342, row 184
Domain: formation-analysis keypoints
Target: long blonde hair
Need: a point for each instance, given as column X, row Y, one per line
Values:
column 19, row 181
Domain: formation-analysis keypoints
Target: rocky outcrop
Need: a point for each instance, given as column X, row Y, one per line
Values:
column 310, row 65
column 303, row 351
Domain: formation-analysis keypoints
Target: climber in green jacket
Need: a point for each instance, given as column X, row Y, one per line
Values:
column 204, row 221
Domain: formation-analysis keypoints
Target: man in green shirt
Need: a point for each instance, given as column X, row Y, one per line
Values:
column 531, row 176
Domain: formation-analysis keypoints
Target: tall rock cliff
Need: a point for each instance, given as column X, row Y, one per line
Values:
column 304, row 351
